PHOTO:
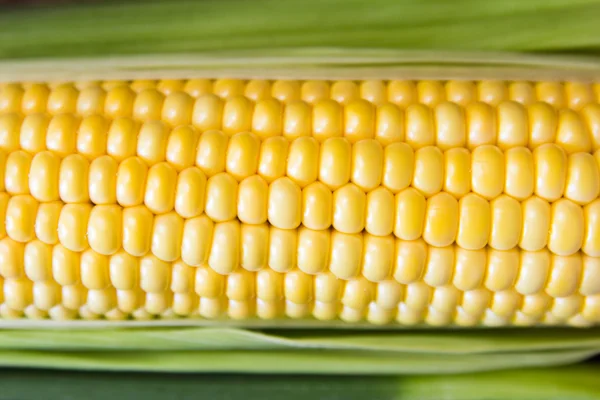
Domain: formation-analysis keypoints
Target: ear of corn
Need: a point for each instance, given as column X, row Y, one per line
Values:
column 360, row 207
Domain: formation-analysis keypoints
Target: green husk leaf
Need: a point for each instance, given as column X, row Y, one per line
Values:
column 559, row 383
column 178, row 26
column 303, row 361
column 451, row 342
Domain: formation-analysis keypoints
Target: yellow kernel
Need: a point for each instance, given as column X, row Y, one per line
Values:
column 450, row 126
column 566, row 228
column 148, row 105
column 476, row 301
column 349, row 209
column 11, row 258
column 378, row 257
column 211, row 153
column 208, row 112
column 502, row 269
column 92, row 136
column 240, row 285
column 267, row 120
column 367, row 164
column 169, row 86
column 492, row 92
column 565, row 275
column 46, row 295
column 62, row 134
column 461, row 92
column 10, row 126
column 65, row 265
column 285, row 204
column 457, row 177
column 242, row 155
column 182, row 278
column 73, row 296
column 227, row 88
column 469, row 269
column 221, row 197
column 359, row 120
column 389, row 125
column 124, row 271
column 417, row 296
column 346, row 254
column 119, row 102
column 297, row 120
column 33, row 133
column 439, row 268
column 303, row 161
column 104, row 229
column 140, row 85
column 481, row 125
column 519, row 173
column 283, row 247
column 189, row 193
column 335, row 162
column 177, row 108
column 91, row 101
column 551, row 93
column 103, row 180
column 212, row 308
column 72, row 226
column 313, row 250
column 131, row 182
column 37, row 260
column 344, row 92
column 95, row 273
column 257, row 90
column 579, row 94
column 474, row 222
column 254, row 247
column 317, row 204
column 512, row 125
column 73, row 179
column 269, row 285
column 591, row 118
column 536, row 224
column 398, row 166
column 11, row 96
column 62, row 100
column 410, row 260
column 590, row 286
column 591, row 234
column 327, row 119
column 35, row 98
column 430, row 93
column 137, row 230
column 420, row 126
column 18, row 293
column 487, row 171
column 358, row 293
column 20, row 218
column 44, row 176
column 379, row 219
column 181, row 147
column 196, row 242
column 273, row 158
column 572, row 134
column 373, row 91
column 286, row 90
column 505, row 303
column 237, row 115
column 402, row 93
column 167, row 236
column 313, row 91
column 16, row 172
column 252, row 203
column 4, row 198
column 521, row 92
column 583, row 178
column 533, row 272
column 506, row 223
column 225, row 249
column 443, row 304
column 543, row 123
column 155, row 274
column 441, row 220
column 160, row 188
column 428, row 175
column 101, row 301
column 551, row 171
column 410, row 213
column 122, row 139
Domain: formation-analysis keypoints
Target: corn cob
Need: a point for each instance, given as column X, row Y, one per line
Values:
column 435, row 202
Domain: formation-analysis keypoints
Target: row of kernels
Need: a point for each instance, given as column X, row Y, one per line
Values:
column 229, row 245
column 408, row 305
column 550, row 170
column 117, row 97
column 447, row 125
